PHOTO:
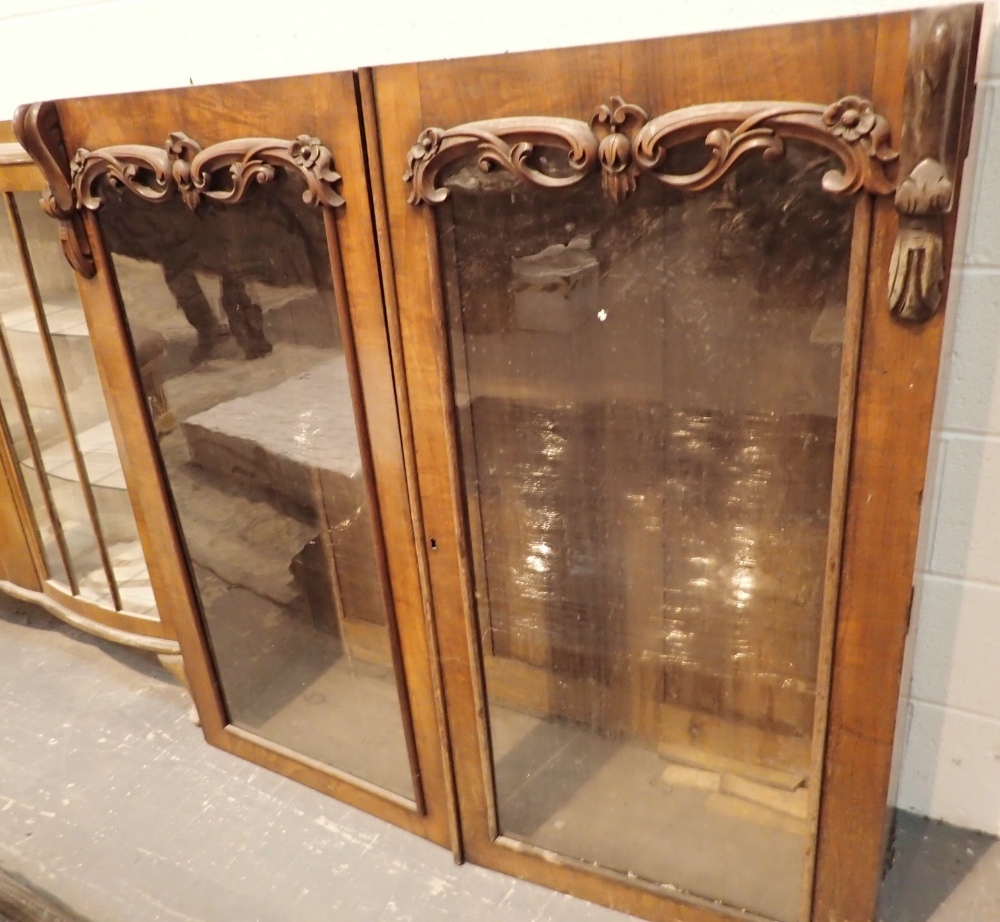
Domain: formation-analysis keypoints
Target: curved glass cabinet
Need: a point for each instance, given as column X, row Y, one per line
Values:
column 72, row 511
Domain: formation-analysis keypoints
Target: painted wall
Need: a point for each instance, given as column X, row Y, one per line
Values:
column 951, row 759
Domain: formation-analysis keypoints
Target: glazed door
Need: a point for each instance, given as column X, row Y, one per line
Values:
column 669, row 422
column 228, row 235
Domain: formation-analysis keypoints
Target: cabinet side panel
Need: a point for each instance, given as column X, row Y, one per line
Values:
column 896, row 386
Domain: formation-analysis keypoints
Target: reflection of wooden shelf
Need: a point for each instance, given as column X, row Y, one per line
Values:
column 104, row 473
column 64, row 319
column 132, row 577
column 367, row 642
column 537, row 691
column 100, row 456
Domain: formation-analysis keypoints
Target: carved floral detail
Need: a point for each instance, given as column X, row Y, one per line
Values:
column 615, row 128
column 222, row 173
column 624, row 144
column 853, row 118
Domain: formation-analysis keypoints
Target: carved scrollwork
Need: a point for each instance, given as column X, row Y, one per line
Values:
column 508, row 143
column 144, row 171
column 224, row 172
column 623, row 143
column 249, row 161
column 850, row 129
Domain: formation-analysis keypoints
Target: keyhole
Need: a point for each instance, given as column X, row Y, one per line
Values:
column 434, row 544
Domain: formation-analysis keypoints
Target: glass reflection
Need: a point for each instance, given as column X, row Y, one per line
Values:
column 647, row 399
column 251, row 400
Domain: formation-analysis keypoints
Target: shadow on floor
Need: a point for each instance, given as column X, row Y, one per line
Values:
column 17, row 611
column 930, row 860
column 20, row 901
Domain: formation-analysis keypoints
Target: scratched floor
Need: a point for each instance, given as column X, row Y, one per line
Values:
column 111, row 802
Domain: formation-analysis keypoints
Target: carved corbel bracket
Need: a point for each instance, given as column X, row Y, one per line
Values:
column 223, row 173
column 935, row 100
column 624, row 144
column 37, row 128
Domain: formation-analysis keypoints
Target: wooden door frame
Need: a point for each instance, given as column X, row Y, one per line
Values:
column 323, row 106
column 894, row 388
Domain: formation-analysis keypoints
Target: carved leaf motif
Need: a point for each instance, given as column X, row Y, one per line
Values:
column 916, row 272
column 616, row 127
column 927, row 190
column 937, row 99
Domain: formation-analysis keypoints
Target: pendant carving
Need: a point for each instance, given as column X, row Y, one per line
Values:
column 616, row 128
column 935, row 99
column 224, row 173
column 624, row 143
column 37, row 129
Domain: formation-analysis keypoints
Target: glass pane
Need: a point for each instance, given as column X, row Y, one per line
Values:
column 254, row 409
column 647, row 401
column 88, row 414
column 38, row 432
column 13, row 297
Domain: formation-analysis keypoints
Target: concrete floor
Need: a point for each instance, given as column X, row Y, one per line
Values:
column 111, row 802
